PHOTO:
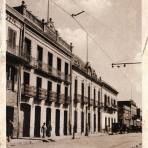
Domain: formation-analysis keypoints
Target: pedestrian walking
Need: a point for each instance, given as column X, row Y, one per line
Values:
column 49, row 129
column 10, row 129
column 43, row 130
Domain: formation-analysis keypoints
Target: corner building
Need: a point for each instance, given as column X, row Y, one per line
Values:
column 47, row 83
column 38, row 74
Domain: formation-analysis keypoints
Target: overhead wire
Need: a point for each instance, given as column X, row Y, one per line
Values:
column 98, row 44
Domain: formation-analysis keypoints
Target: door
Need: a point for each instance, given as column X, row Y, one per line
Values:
column 94, row 122
column 9, row 115
column 25, row 108
column 37, row 121
column 82, row 122
column 75, row 121
column 57, row 126
column 48, row 115
column 65, row 122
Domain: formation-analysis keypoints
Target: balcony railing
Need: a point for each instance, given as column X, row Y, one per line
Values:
column 16, row 51
column 67, row 101
column 50, row 70
column 51, row 96
column 10, row 85
column 59, row 99
column 91, row 102
column 29, row 91
column 77, row 98
column 41, row 94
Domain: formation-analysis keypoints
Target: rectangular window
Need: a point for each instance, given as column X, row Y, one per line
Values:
column 76, row 83
column 39, row 53
column 82, row 91
column 38, row 86
column 89, row 94
column 11, row 38
column 66, row 68
column 94, row 96
column 66, row 93
column 27, row 48
column 99, row 101
column 49, row 89
column 58, row 91
column 50, row 59
column 58, row 64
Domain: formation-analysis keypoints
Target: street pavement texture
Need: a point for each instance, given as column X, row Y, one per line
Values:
column 133, row 140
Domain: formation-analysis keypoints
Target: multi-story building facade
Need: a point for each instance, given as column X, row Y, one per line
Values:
column 46, row 83
column 85, row 97
column 124, row 114
column 131, row 111
column 109, row 103
column 94, row 101
column 38, row 74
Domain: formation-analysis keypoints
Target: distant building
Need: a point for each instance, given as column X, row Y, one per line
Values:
column 126, row 107
column 124, row 114
column 109, row 111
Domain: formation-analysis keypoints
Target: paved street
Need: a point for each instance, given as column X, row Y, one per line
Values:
column 113, row 141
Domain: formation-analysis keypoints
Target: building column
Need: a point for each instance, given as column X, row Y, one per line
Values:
column 53, row 116
column 61, row 121
column 32, row 118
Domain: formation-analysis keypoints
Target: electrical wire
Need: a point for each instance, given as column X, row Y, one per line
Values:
column 100, row 47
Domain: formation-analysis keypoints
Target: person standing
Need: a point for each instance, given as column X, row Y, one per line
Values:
column 43, row 130
column 10, row 129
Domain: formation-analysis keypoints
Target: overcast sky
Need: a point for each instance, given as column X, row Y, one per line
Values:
column 114, row 25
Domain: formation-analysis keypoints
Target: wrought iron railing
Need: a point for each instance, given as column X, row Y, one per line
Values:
column 29, row 91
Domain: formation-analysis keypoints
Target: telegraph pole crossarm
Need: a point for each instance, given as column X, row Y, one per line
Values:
column 124, row 64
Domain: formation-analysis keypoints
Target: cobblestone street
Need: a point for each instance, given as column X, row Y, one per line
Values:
column 113, row 141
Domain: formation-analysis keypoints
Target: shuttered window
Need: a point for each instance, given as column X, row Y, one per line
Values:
column 11, row 38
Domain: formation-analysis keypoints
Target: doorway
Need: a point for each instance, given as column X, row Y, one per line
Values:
column 25, row 108
column 9, row 116
column 57, row 126
column 82, row 122
column 48, row 115
column 65, row 122
column 37, row 121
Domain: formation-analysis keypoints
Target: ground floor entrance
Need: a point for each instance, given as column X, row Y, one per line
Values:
column 25, row 108
column 37, row 124
column 57, row 123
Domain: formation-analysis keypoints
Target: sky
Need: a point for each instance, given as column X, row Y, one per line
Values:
column 114, row 35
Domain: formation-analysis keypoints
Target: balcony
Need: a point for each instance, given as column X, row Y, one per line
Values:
column 67, row 101
column 85, row 100
column 59, row 99
column 51, row 96
column 91, row 102
column 77, row 98
column 47, row 69
column 10, row 85
column 15, row 51
column 95, row 104
column 41, row 94
column 28, row 91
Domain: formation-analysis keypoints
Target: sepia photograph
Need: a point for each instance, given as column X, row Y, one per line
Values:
column 74, row 73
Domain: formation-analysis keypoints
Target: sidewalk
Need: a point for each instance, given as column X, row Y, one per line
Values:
column 27, row 140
